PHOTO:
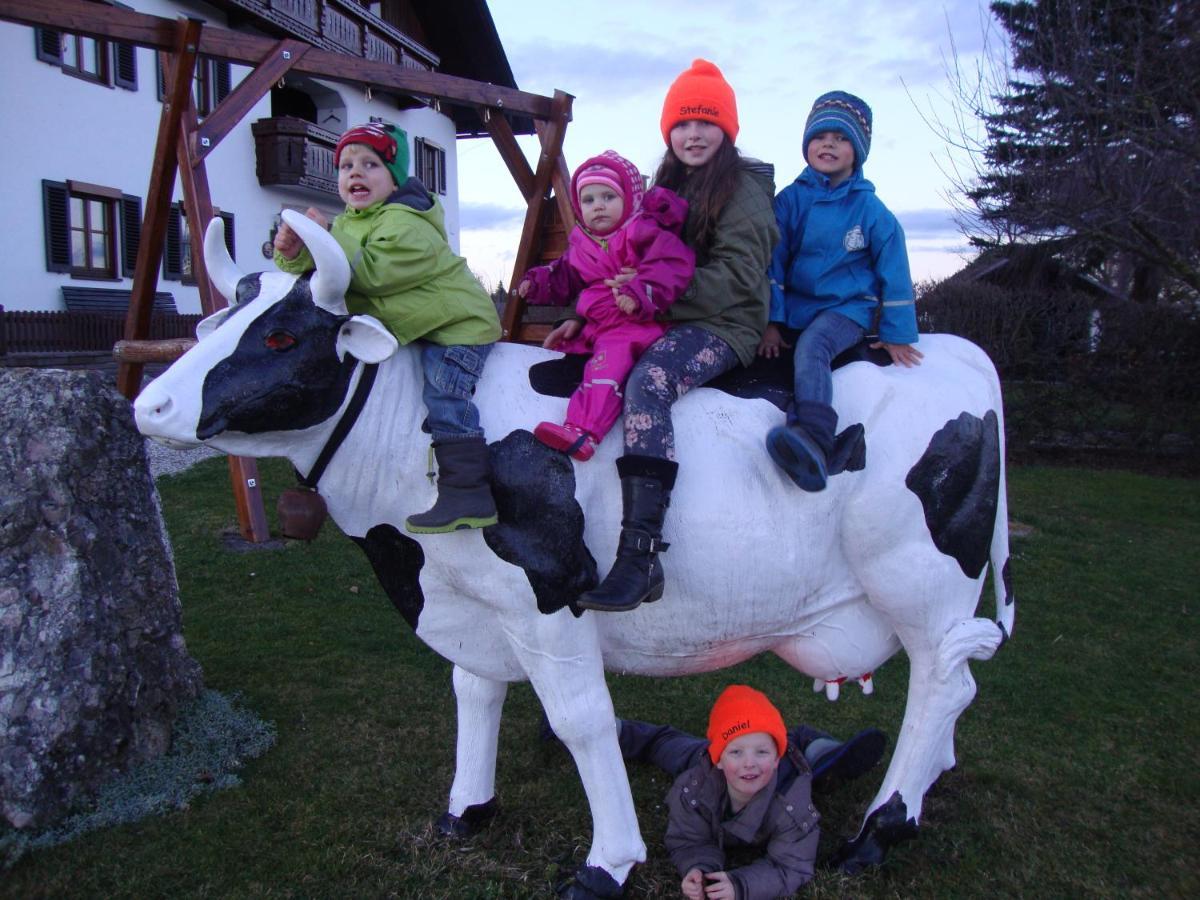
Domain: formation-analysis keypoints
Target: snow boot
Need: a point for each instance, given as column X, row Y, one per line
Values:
column 802, row 447
column 637, row 576
column 570, row 439
column 464, row 495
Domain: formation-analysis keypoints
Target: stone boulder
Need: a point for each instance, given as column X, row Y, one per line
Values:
column 93, row 666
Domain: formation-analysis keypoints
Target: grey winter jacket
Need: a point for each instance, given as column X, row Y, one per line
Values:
column 701, row 828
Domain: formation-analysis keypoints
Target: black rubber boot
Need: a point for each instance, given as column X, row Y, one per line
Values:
column 637, row 576
column 464, row 494
column 802, row 447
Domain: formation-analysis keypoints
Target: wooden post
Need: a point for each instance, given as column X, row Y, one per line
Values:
column 158, row 199
column 550, row 168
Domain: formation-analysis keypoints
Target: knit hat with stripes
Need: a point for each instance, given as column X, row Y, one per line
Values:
column 839, row 111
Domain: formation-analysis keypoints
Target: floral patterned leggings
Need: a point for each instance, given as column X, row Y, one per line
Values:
column 685, row 357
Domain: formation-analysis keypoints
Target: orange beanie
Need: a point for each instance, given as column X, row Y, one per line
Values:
column 743, row 710
column 700, row 93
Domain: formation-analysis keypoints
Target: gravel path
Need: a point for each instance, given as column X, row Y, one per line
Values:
column 165, row 461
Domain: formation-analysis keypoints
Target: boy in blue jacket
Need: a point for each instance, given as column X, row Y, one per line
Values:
column 840, row 266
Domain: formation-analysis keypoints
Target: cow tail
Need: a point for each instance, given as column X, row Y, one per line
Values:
column 1006, row 603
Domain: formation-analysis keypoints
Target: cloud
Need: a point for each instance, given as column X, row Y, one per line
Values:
column 583, row 69
column 925, row 224
column 482, row 216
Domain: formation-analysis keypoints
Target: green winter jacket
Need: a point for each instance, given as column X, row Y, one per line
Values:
column 405, row 274
column 730, row 294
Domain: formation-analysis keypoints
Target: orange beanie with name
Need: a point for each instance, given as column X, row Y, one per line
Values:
column 743, row 710
column 700, row 93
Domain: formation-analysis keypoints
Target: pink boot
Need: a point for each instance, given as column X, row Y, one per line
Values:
column 570, row 439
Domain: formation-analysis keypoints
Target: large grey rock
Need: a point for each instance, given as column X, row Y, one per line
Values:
column 93, row 667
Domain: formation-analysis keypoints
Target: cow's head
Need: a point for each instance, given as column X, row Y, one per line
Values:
column 278, row 359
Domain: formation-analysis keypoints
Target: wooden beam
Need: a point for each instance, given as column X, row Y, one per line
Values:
column 241, row 100
column 161, row 351
column 158, row 198
column 549, row 162
column 510, row 150
column 560, row 181
column 115, row 24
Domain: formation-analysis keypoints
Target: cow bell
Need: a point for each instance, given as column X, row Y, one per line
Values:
column 301, row 512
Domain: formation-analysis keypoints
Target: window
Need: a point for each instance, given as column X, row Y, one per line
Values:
column 177, row 250
column 82, row 223
column 211, row 84
column 88, row 58
column 430, row 165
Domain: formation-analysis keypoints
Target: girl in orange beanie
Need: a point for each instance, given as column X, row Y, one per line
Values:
column 715, row 325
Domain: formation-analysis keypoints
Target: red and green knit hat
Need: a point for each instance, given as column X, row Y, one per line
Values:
column 390, row 142
column 743, row 710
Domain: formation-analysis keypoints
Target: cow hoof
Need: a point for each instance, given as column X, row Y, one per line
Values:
column 885, row 827
column 591, row 883
column 473, row 820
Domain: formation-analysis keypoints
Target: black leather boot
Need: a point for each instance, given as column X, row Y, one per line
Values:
column 637, row 576
column 464, row 490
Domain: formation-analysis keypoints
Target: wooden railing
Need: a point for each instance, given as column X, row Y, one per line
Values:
column 25, row 335
column 293, row 152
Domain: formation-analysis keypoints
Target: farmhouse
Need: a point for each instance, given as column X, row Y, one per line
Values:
column 82, row 114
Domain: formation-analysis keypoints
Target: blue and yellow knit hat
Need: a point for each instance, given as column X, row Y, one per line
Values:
column 839, row 111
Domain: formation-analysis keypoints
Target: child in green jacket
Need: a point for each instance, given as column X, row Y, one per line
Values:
column 404, row 273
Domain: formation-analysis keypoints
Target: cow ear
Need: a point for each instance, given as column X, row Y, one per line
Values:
column 209, row 324
column 366, row 339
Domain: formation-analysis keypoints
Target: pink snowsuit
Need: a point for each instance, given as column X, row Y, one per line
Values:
column 647, row 240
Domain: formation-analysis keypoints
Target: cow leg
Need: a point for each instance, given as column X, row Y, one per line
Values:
column 562, row 658
column 473, row 794
column 940, row 687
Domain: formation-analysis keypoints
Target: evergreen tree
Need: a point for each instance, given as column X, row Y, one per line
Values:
column 1093, row 140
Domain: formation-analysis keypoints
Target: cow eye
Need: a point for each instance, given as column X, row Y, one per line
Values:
column 280, row 341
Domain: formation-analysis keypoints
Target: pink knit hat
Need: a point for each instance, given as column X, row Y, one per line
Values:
column 615, row 171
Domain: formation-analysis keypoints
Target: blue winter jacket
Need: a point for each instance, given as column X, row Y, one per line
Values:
column 840, row 248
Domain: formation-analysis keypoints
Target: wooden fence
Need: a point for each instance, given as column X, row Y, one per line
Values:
column 75, row 339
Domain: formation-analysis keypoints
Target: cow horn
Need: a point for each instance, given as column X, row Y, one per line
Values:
column 223, row 274
column 332, row 277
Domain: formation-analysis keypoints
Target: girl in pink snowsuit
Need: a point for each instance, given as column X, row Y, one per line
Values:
column 626, row 262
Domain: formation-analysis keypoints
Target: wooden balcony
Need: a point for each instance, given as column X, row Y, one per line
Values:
column 343, row 26
column 294, row 153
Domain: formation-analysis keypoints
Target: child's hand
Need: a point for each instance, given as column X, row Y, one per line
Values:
column 693, row 885
column 902, row 354
column 626, row 275
column 317, row 216
column 287, row 242
column 563, row 332
column 523, row 288
column 627, row 304
column 772, row 341
column 719, row 887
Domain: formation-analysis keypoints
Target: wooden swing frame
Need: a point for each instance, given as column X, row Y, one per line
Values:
column 184, row 141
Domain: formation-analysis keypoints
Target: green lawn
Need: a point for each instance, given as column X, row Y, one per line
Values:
column 1076, row 776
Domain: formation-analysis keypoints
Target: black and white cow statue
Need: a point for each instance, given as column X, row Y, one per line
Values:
column 892, row 555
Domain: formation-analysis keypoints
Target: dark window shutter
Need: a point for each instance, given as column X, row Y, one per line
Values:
column 48, row 45
column 222, row 80
column 172, row 248
column 56, row 215
column 125, row 66
column 227, row 218
column 131, row 233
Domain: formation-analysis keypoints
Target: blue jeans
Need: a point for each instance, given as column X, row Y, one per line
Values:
column 828, row 335
column 450, row 377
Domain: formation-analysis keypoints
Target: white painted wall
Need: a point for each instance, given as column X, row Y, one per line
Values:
column 56, row 127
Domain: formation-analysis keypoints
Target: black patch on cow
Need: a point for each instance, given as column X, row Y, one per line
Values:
column 849, row 451
column 258, row 389
column 397, row 561
column 1007, row 581
column 884, row 828
column 958, row 482
column 248, row 288
column 764, row 379
column 541, row 523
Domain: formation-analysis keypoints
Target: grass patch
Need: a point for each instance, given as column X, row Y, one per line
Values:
column 1076, row 772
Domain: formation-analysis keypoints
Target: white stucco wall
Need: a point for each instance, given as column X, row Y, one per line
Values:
column 57, row 127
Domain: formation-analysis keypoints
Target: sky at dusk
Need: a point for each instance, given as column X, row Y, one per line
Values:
column 618, row 57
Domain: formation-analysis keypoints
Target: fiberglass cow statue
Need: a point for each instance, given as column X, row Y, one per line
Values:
column 893, row 554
